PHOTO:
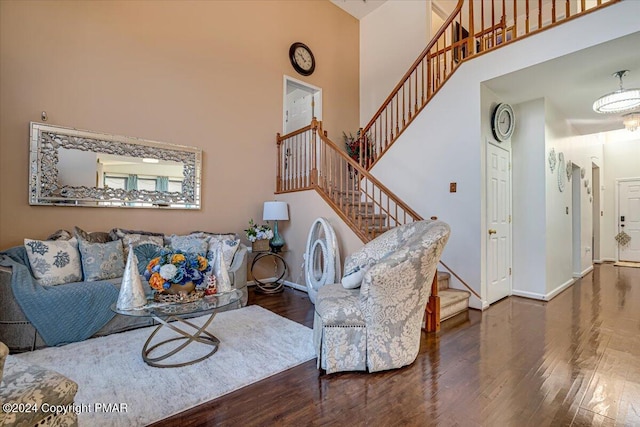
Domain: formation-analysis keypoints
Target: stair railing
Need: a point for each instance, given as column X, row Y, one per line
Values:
column 473, row 28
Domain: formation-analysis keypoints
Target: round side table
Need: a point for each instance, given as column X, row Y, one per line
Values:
column 273, row 286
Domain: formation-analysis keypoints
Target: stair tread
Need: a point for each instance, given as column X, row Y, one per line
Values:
column 452, row 296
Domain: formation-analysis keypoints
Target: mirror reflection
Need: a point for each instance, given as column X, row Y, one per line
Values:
column 88, row 169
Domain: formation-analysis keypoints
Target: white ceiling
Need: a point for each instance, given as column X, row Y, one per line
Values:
column 358, row 8
column 573, row 82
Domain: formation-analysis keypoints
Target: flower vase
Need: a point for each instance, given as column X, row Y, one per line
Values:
column 176, row 288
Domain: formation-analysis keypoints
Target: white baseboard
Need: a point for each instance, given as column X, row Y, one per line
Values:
column 608, row 260
column 545, row 297
column 526, row 294
column 286, row 283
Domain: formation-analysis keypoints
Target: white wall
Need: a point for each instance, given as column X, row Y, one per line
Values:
column 529, row 200
column 622, row 160
column 391, row 38
column 445, row 143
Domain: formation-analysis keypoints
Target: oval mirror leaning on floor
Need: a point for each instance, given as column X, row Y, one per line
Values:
column 71, row 167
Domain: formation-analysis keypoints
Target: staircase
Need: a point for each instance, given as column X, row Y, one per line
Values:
column 308, row 160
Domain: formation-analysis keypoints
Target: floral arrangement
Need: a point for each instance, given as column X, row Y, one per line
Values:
column 258, row 232
column 176, row 267
column 352, row 147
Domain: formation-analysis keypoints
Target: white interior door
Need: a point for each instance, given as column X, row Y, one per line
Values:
column 498, row 223
column 629, row 219
column 302, row 102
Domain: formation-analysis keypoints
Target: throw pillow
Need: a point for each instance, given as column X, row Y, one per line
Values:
column 101, row 261
column 95, row 237
column 119, row 233
column 191, row 244
column 54, row 261
column 229, row 249
column 145, row 253
column 352, row 279
column 60, row 235
column 139, row 239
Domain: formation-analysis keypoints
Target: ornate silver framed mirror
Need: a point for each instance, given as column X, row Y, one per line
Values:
column 71, row 167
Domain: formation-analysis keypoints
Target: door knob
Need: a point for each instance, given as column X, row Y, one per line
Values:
column 492, row 231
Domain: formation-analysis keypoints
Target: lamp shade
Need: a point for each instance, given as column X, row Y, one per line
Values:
column 275, row 211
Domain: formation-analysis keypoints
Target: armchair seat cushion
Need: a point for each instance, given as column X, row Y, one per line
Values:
column 339, row 306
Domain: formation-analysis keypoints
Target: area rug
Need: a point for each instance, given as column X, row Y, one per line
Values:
column 627, row 264
column 255, row 344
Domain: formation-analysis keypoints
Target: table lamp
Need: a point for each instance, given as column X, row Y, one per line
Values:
column 275, row 211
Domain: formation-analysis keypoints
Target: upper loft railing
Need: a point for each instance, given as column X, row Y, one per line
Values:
column 474, row 28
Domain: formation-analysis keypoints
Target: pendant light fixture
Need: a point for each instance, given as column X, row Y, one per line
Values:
column 619, row 101
column 631, row 121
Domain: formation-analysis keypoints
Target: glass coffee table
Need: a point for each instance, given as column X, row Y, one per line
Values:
column 172, row 316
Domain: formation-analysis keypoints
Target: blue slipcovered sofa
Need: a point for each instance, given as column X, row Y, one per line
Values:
column 79, row 310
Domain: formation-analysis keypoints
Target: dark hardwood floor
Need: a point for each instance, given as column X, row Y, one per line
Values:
column 573, row 361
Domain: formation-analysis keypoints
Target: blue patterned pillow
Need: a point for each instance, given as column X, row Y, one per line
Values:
column 54, row 261
column 190, row 244
column 145, row 253
column 101, row 261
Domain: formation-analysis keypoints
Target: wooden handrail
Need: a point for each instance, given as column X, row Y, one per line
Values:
column 456, row 41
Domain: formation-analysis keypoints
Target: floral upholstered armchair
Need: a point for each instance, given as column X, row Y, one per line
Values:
column 377, row 326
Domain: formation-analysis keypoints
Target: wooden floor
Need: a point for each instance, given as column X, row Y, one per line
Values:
column 574, row 361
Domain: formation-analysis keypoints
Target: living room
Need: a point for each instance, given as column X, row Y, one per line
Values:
column 175, row 72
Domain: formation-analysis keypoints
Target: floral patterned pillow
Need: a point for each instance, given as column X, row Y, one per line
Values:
column 54, row 261
column 190, row 244
column 101, row 261
column 229, row 249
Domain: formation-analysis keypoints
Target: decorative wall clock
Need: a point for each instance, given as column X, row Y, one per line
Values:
column 503, row 122
column 552, row 159
column 302, row 59
column 561, row 170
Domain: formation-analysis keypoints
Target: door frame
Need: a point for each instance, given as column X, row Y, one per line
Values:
column 317, row 96
column 507, row 149
column 617, row 208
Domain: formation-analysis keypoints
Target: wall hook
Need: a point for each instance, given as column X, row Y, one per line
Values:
column 43, row 116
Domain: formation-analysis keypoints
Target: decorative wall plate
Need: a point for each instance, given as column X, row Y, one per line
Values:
column 586, row 182
column 588, row 190
column 561, row 170
column 569, row 169
column 582, row 173
column 552, row 159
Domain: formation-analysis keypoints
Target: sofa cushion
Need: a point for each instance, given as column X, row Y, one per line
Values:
column 94, row 237
column 101, row 261
column 60, row 235
column 139, row 239
column 190, row 244
column 54, row 261
column 145, row 253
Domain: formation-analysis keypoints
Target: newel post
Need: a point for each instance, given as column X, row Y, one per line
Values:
column 432, row 311
column 472, row 32
column 278, row 164
column 314, row 150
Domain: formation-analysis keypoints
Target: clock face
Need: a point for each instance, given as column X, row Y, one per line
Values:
column 302, row 59
column 503, row 122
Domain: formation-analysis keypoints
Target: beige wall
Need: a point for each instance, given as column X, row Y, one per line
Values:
column 205, row 74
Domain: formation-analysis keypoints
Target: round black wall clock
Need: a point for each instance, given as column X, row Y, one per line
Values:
column 302, row 59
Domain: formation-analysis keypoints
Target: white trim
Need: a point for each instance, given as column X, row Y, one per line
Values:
column 286, row 283
column 607, row 260
column 550, row 295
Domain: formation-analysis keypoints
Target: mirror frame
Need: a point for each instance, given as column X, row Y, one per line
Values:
column 44, row 188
